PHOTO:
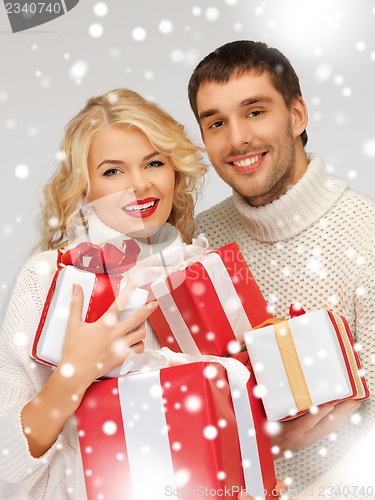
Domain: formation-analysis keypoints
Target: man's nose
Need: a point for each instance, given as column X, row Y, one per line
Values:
column 239, row 134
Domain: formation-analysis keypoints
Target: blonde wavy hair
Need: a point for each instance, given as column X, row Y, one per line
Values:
column 70, row 183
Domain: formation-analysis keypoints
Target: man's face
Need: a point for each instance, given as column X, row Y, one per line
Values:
column 251, row 136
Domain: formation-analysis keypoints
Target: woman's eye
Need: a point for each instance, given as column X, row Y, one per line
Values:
column 111, row 171
column 153, row 164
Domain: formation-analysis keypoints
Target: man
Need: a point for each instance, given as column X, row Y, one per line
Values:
column 306, row 237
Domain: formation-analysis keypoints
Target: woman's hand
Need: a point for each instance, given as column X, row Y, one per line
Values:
column 91, row 350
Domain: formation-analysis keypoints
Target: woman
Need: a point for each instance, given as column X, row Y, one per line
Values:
column 129, row 168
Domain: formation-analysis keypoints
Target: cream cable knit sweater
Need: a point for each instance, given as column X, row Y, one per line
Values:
column 314, row 245
column 58, row 474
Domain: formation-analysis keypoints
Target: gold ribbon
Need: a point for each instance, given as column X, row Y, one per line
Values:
column 292, row 365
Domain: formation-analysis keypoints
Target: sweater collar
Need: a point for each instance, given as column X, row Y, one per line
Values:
column 98, row 233
column 302, row 205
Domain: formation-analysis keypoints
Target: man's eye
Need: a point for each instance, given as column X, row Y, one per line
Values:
column 254, row 113
column 217, row 124
column 154, row 164
column 111, row 171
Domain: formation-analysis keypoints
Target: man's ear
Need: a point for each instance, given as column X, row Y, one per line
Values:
column 299, row 116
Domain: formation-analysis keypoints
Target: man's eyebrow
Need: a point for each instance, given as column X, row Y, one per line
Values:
column 120, row 162
column 208, row 113
column 255, row 100
column 246, row 102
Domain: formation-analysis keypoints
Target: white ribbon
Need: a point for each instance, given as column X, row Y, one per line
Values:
column 226, row 292
column 146, row 429
column 174, row 319
column 175, row 257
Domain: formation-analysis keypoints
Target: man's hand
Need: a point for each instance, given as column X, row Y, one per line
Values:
column 305, row 430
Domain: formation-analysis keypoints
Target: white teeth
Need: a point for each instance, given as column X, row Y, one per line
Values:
column 248, row 161
column 139, row 208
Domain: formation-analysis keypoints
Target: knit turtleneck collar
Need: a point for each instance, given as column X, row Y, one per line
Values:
column 305, row 203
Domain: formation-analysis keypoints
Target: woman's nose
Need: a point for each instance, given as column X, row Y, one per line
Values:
column 138, row 181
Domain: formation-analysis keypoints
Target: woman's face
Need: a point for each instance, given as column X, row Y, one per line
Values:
column 131, row 184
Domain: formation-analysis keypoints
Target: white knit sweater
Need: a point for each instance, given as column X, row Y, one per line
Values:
column 314, row 245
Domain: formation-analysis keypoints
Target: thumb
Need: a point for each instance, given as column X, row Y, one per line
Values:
column 76, row 304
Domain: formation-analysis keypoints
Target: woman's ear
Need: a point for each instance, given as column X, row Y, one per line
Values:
column 299, row 116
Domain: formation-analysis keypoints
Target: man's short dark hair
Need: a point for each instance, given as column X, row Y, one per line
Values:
column 243, row 56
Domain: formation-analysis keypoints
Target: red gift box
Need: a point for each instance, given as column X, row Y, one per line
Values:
column 209, row 305
column 167, row 432
column 99, row 271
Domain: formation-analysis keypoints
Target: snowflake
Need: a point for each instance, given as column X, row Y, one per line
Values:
column 165, row 26
column 323, row 72
column 210, row 372
column 78, row 70
column 355, row 419
column 96, row 30
column 67, row 370
column 212, row 13
column 21, row 171
column 139, row 34
column 210, row 432
column 260, row 391
column 193, row 404
column 100, row 9
column 182, row 477
column 272, row 428
column 109, row 428
column 360, row 46
column 369, row 147
column 176, row 446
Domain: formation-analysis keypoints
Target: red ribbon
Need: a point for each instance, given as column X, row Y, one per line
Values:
column 296, row 310
column 106, row 260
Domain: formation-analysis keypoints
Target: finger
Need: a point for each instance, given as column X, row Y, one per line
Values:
column 76, row 305
column 311, row 419
column 135, row 336
column 281, row 487
column 341, row 412
column 139, row 347
column 140, row 316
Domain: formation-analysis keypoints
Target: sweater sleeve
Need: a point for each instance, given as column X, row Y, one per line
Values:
column 21, row 378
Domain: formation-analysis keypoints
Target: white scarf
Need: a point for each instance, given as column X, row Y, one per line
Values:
column 166, row 254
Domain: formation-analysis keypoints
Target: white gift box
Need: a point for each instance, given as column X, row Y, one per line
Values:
column 48, row 342
column 305, row 361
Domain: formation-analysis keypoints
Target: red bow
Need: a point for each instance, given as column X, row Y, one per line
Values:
column 107, row 260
